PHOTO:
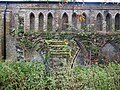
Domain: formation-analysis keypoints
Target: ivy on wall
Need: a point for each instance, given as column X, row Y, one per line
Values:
column 91, row 41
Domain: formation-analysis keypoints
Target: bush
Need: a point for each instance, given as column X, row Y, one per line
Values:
column 31, row 76
column 21, row 76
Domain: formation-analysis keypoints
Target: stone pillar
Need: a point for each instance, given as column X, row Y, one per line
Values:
column 78, row 21
column 104, row 24
column 1, row 34
column 78, row 25
column 45, row 22
column 10, row 41
column 70, row 18
column 24, row 16
column 55, row 21
column 36, row 23
column 16, row 21
column 27, row 23
column 92, row 21
column 113, row 23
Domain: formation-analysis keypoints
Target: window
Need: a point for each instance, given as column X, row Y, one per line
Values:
column 83, row 23
column 108, row 22
column 99, row 22
column 32, row 22
column 41, row 21
column 74, row 20
column 49, row 22
column 21, row 23
column 117, row 21
column 64, row 21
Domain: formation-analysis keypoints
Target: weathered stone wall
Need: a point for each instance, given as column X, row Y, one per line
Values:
column 90, row 10
column 1, row 36
column 16, row 10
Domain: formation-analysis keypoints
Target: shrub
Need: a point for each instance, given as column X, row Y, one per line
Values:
column 21, row 75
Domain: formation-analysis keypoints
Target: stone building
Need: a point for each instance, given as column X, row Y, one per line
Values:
column 54, row 16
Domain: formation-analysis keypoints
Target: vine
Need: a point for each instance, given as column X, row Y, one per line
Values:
column 90, row 41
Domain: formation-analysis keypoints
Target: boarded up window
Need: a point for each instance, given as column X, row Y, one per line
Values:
column 74, row 20
column 49, row 22
column 83, row 23
column 117, row 22
column 32, row 22
column 41, row 22
column 99, row 22
column 108, row 22
column 64, row 21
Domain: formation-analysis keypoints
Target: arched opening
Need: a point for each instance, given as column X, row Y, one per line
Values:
column 32, row 22
column 21, row 23
column 64, row 21
column 117, row 21
column 84, row 23
column 99, row 22
column 74, row 20
column 41, row 21
column 108, row 22
column 49, row 22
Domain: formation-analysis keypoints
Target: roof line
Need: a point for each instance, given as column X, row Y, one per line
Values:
column 55, row 2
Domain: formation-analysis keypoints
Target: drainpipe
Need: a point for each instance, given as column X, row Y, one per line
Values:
column 73, row 5
column 4, row 57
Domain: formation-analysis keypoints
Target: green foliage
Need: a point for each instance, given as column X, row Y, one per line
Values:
column 31, row 76
column 86, row 78
column 118, row 30
column 21, row 76
column 48, row 35
column 100, row 77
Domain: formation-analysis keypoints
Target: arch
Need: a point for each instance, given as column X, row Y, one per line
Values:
column 74, row 20
column 21, row 23
column 117, row 21
column 84, row 23
column 41, row 21
column 64, row 21
column 49, row 22
column 108, row 22
column 32, row 21
column 99, row 22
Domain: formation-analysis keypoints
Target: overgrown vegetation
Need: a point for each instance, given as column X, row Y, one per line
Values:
column 21, row 76
column 31, row 76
